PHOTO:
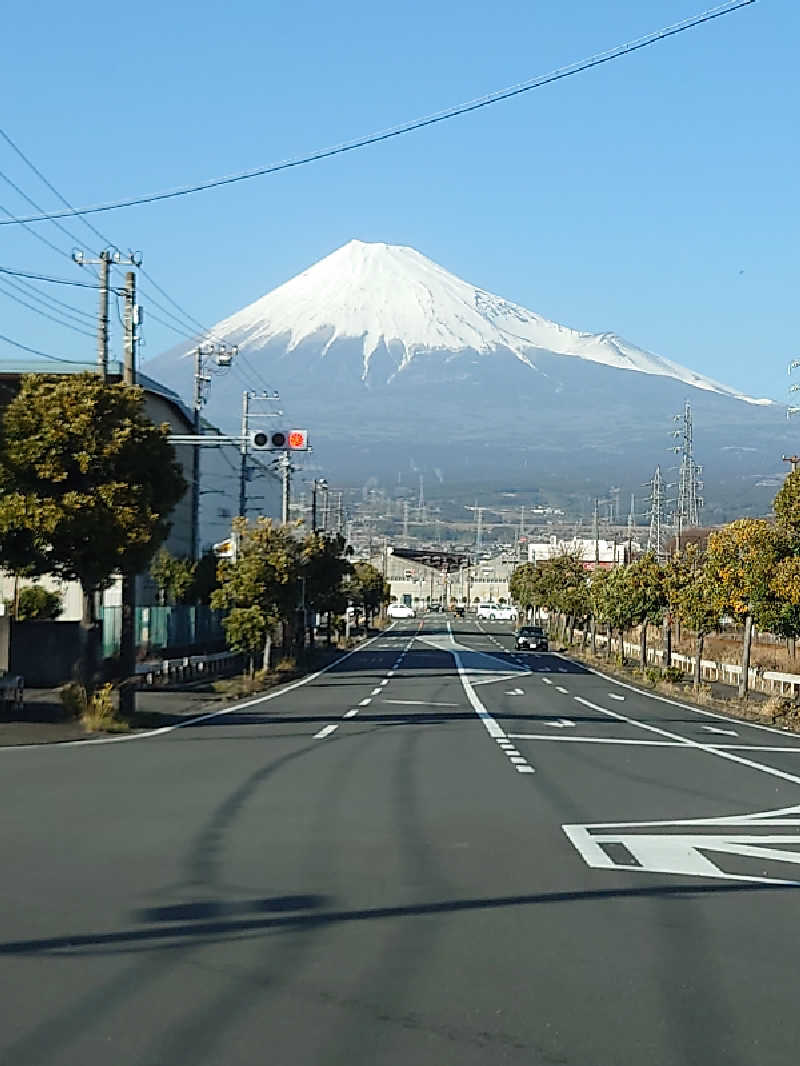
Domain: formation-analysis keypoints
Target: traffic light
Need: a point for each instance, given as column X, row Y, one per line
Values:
column 294, row 440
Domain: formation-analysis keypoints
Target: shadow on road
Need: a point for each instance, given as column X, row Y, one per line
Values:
column 197, row 931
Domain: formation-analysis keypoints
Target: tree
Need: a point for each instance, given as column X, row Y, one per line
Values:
column 787, row 508
column 264, row 581
column 38, row 604
column 173, row 576
column 324, row 569
column 744, row 560
column 648, row 599
column 87, row 484
column 689, row 585
column 368, row 588
column 524, row 586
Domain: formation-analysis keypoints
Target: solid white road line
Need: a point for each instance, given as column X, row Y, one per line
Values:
column 491, row 726
column 326, row 732
column 419, row 703
column 163, row 730
column 709, row 749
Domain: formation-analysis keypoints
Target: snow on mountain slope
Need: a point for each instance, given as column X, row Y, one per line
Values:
column 394, row 297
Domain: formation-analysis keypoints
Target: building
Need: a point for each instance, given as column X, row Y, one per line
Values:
column 414, row 583
column 219, row 488
column 604, row 553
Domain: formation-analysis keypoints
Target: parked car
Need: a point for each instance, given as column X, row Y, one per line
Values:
column 400, row 610
column 531, row 638
column 497, row 612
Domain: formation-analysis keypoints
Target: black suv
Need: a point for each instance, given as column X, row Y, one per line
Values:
column 532, row 638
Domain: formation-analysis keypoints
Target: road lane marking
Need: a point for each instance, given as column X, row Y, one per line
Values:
column 375, row 692
column 525, row 770
column 365, row 702
column 390, row 674
column 718, row 731
column 560, row 688
column 561, row 723
column 351, row 714
column 709, row 749
column 515, row 692
column 518, row 759
column 547, row 681
column 383, row 683
column 615, row 696
column 419, row 703
column 489, row 723
column 677, row 703
column 326, row 732
column 147, row 734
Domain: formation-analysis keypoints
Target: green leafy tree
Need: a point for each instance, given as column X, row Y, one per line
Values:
column 367, row 588
column 174, row 577
column 648, row 597
column 265, row 581
column 689, row 584
column 787, row 509
column 324, row 568
column 87, row 484
column 38, row 604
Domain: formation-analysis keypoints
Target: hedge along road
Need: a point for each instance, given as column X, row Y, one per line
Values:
column 435, row 852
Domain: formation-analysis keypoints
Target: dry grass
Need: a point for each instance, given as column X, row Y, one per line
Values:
column 95, row 710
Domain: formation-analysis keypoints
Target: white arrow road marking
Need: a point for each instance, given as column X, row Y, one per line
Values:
column 722, row 732
column 561, row 723
column 656, row 847
column 614, row 696
column 515, row 692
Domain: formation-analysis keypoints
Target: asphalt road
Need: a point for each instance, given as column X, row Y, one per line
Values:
column 436, row 853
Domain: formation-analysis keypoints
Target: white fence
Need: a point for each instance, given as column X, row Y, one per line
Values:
column 712, row 670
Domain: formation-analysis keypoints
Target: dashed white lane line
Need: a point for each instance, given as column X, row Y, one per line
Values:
column 326, row 732
column 375, row 692
column 384, row 682
column 547, row 681
column 615, row 696
column 390, row 674
column 351, row 714
column 365, row 702
column 518, row 760
column 525, row 770
column 560, row 688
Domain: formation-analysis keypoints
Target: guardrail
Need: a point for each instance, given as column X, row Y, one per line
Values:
column 153, row 674
column 714, row 670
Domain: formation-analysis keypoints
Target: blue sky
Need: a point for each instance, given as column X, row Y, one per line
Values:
column 655, row 196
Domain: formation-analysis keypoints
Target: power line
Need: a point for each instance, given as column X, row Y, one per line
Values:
column 44, row 355
column 409, row 127
column 48, row 278
column 34, row 293
column 45, row 314
column 38, row 207
column 34, row 233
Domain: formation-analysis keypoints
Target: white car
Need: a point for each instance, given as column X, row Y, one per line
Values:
column 400, row 610
column 497, row 612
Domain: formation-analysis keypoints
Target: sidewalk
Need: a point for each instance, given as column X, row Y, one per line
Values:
column 42, row 720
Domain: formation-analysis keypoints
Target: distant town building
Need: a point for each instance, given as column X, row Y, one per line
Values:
column 604, row 553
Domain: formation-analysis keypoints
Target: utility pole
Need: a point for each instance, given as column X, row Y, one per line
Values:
column 596, row 531
column 102, row 318
column 221, row 357
column 127, row 642
column 286, row 479
column 405, row 519
column 793, row 459
column 630, row 528
column 325, row 506
column 421, row 498
column 339, row 512
column 243, row 454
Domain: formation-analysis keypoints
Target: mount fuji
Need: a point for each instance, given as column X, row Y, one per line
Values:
column 394, row 363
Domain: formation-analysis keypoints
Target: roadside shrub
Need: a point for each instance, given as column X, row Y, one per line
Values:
column 95, row 710
column 673, row 674
column 73, row 699
column 653, row 675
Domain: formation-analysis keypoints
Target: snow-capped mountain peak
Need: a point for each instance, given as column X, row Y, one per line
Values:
column 394, row 298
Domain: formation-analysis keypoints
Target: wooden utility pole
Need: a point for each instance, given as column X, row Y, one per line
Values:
column 793, row 459
column 102, row 320
column 243, row 454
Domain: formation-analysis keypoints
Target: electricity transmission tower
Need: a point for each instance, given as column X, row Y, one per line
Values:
column 655, row 539
column 689, row 502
